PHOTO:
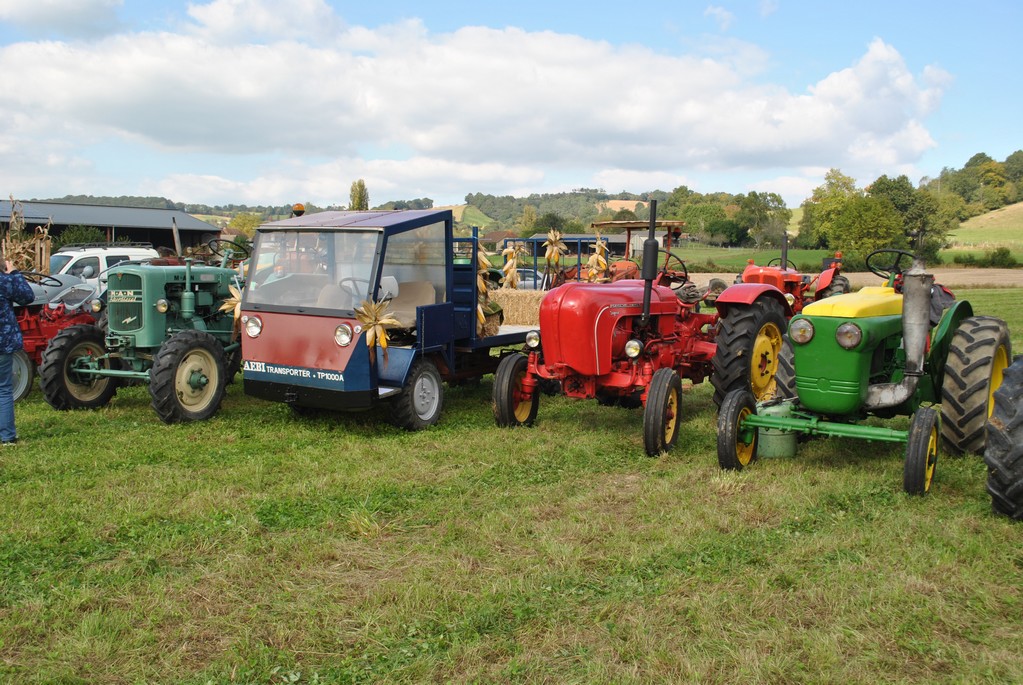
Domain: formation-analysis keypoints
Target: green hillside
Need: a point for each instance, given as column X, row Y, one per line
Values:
column 1001, row 227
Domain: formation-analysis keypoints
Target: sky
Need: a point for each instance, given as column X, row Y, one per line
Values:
column 262, row 102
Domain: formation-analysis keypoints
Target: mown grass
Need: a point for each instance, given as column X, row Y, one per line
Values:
column 258, row 547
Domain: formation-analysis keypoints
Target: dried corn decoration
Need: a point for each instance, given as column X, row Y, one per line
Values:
column 512, row 253
column 555, row 248
column 375, row 318
column 483, row 267
column 234, row 304
column 26, row 252
column 596, row 266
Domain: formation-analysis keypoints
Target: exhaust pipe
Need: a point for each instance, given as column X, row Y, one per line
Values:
column 916, row 303
column 649, row 272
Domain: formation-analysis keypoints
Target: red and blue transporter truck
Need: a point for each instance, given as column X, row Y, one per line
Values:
column 307, row 346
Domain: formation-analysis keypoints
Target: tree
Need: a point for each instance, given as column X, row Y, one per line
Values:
column 865, row 223
column 1014, row 167
column 359, row 196
column 817, row 227
column 763, row 215
column 527, row 221
column 245, row 223
column 550, row 220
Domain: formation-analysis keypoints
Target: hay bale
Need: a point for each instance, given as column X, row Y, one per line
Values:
column 520, row 307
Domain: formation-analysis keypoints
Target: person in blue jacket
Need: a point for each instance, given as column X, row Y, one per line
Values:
column 13, row 289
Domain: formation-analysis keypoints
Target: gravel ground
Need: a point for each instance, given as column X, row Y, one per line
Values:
column 953, row 278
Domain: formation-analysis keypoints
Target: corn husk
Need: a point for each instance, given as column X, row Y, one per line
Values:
column 234, row 304
column 555, row 248
column 374, row 318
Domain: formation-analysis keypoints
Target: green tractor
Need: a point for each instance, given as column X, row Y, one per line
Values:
column 168, row 326
column 892, row 350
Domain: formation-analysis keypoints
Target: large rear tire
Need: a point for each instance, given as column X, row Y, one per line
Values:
column 23, row 371
column 921, row 452
column 737, row 448
column 63, row 387
column 977, row 359
column 839, row 286
column 663, row 413
column 511, row 407
column 187, row 380
column 749, row 343
column 419, row 403
column 1004, row 452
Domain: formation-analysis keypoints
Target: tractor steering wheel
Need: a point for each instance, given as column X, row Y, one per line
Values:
column 890, row 268
column 234, row 249
column 672, row 276
column 788, row 263
column 42, row 279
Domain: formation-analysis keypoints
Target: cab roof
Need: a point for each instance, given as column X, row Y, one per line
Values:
column 385, row 219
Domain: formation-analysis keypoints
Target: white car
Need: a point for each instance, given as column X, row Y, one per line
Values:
column 89, row 261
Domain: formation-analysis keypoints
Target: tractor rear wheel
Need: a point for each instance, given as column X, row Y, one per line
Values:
column 511, row 408
column 1004, row 452
column 663, row 413
column 23, row 372
column 921, row 452
column 839, row 286
column 63, row 387
column 749, row 343
column 419, row 403
column 977, row 358
column 187, row 380
column 737, row 448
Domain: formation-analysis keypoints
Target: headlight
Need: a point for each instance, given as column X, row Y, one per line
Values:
column 801, row 331
column 849, row 335
column 533, row 339
column 97, row 305
column 633, row 348
column 253, row 326
column 162, row 305
column 343, row 335
column 790, row 298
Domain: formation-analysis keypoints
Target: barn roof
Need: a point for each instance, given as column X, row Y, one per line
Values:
column 104, row 216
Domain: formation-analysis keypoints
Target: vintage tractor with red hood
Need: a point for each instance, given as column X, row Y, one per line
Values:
column 632, row 342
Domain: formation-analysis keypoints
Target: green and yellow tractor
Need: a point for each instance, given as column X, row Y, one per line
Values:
column 894, row 350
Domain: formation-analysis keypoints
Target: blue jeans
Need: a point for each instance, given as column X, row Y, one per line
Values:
column 7, row 431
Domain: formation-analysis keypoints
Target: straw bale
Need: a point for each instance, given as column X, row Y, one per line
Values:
column 520, row 307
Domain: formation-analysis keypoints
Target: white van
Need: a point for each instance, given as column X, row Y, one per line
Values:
column 89, row 261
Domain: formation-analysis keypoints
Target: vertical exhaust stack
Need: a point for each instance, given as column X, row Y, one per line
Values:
column 649, row 272
column 916, row 303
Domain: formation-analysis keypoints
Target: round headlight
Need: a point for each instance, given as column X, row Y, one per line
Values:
column 343, row 335
column 633, row 348
column 97, row 305
column 801, row 331
column 162, row 305
column 533, row 339
column 253, row 326
column 849, row 335
column 790, row 298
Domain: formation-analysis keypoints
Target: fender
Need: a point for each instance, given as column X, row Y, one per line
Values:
column 824, row 280
column 748, row 293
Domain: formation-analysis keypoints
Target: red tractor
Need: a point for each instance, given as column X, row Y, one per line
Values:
column 631, row 343
column 60, row 301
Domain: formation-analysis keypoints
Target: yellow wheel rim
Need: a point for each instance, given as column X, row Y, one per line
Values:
column 743, row 451
column 998, row 365
column 764, row 362
column 932, row 458
column 522, row 407
column 670, row 415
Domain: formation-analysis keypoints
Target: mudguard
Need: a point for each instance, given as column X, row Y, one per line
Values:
column 748, row 293
column 824, row 280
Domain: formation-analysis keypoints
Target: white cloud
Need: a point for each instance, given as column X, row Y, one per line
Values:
column 67, row 17
column 723, row 17
column 309, row 102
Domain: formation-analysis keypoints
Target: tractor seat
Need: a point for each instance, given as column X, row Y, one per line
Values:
column 411, row 294
column 868, row 301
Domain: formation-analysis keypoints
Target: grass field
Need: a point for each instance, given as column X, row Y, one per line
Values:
column 262, row 548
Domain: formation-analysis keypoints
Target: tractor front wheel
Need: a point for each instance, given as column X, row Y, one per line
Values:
column 737, row 447
column 749, row 344
column 511, row 406
column 419, row 403
column 663, row 412
column 1004, row 453
column 921, row 452
column 187, row 380
column 63, row 386
column 839, row 286
column 977, row 358
column 23, row 372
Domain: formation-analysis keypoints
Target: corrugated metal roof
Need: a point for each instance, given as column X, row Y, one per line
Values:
column 104, row 216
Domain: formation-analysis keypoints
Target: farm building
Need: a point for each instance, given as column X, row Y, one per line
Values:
column 135, row 224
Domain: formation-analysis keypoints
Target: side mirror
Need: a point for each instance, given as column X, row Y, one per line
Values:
column 388, row 288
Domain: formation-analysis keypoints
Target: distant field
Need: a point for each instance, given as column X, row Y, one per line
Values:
column 1001, row 227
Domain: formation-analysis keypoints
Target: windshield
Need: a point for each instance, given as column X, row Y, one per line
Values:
column 306, row 268
column 58, row 262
